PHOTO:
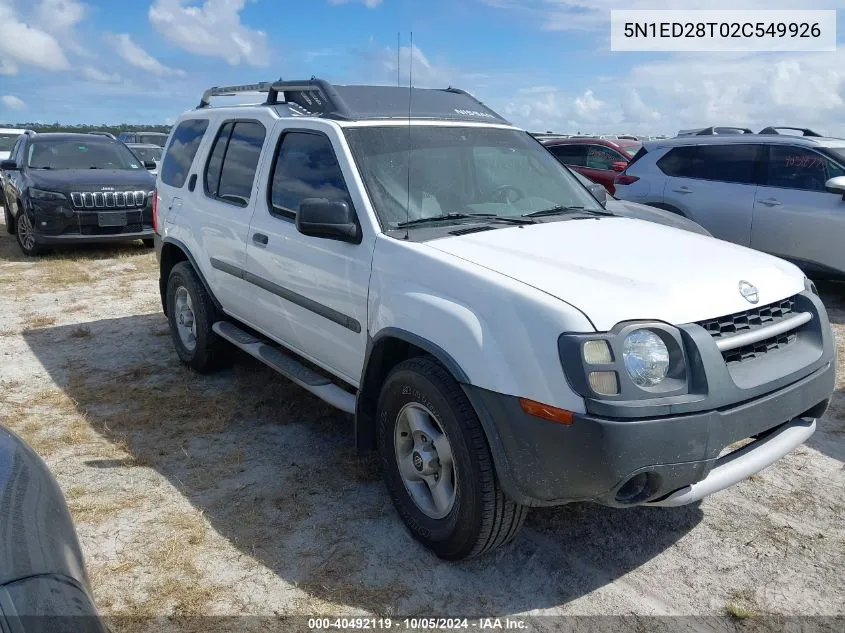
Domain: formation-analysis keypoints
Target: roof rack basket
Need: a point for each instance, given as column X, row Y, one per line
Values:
column 773, row 129
column 314, row 96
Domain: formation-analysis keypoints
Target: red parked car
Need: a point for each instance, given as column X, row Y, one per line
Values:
column 598, row 159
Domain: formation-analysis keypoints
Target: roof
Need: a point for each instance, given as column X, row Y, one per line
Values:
column 72, row 136
column 767, row 139
column 615, row 143
column 12, row 130
column 144, row 145
column 318, row 98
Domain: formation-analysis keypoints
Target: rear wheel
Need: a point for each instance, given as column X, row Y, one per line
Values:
column 191, row 314
column 437, row 464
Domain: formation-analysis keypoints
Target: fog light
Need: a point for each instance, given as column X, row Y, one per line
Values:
column 604, row 382
column 597, row 353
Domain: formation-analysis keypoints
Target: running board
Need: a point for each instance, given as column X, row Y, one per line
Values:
column 287, row 366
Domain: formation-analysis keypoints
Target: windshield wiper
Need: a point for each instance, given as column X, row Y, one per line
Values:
column 490, row 217
column 562, row 210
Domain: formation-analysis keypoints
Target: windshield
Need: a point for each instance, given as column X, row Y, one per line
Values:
column 838, row 154
column 632, row 150
column 153, row 139
column 7, row 142
column 147, row 153
column 73, row 154
column 460, row 170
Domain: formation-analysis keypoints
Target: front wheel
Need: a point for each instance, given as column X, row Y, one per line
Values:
column 437, row 464
column 191, row 314
column 25, row 233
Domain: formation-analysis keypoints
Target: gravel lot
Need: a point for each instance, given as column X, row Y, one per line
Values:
column 241, row 494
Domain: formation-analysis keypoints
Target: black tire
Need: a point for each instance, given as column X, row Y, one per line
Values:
column 481, row 518
column 149, row 242
column 209, row 351
column 23, row 229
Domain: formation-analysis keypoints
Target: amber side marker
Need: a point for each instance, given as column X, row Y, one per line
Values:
column 546, row 411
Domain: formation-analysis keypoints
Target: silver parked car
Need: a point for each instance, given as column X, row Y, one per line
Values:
column 638, row 211
column 781, row 194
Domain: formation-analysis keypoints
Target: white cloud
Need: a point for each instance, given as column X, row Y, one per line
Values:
column 370, row 4
column 12, row 103
column 25, row 45
column 94, row 74
column 380, row 66
column 59, row 15
column 213, row 29
column 136, row 56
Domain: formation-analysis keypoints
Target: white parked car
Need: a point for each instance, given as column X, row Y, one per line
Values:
column 500, row 339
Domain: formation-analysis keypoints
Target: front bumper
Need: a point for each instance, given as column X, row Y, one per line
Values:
column 59, row 224
column 544, row 463
column 71, row 238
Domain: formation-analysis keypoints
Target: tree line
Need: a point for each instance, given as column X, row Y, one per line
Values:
column 83, row 128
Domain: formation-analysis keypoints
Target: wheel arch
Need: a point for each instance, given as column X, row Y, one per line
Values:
column 172, row 252
column 387, row 349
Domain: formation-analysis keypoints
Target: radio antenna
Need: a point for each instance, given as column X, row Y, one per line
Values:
column 410, row 153
column 398, row 59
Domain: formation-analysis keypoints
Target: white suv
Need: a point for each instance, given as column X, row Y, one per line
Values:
column 501, row 340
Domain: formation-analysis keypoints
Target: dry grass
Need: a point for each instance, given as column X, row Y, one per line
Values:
column 740, row 606
column 37, row 321
column 97, row 510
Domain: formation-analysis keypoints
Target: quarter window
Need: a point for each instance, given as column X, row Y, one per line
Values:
column 799, row 168
column 181, row 151
column 305, row 167
column 735, row 163
column 233, row 161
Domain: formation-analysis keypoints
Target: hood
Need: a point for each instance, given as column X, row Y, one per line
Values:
column 619, row 269
column 653, row 214
column 66, row 180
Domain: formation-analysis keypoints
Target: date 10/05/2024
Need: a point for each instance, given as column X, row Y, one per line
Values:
column 417, row 624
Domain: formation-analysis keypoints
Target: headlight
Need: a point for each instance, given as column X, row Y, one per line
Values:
column 51, row 196
column 646, row 358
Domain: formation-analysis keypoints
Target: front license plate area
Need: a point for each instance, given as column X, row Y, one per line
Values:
column 111, row 219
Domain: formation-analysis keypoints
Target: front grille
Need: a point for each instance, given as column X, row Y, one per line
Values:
column 754, row 350
column 727, row 326
column 109, row 199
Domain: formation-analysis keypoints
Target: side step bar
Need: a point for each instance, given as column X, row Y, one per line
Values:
column 287, row 366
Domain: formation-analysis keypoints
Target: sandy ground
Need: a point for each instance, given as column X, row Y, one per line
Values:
column 242, row 494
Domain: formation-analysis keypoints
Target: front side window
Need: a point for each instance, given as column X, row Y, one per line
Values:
column 799, row 168
column 305, row 167
column 181, row 151
column 74, row 154
column 231, row 167
column 430, row 171
column 600, row 157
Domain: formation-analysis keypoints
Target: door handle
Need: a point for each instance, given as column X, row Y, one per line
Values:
column 260, row 238
column 682, row 190
column 771, row 202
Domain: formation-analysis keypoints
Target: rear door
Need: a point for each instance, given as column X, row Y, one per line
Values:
column 794, row 216
column 714, row 185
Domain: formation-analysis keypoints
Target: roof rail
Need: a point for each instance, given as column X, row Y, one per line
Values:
column 773, row 129
column 722, row 129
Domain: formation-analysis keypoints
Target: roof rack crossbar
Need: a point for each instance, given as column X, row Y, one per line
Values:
column 773, row 129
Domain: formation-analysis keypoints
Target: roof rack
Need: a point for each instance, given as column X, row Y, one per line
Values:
column 317, row 97
column 773, row 129
column 726, row 129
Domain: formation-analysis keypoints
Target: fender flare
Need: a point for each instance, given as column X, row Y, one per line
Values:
column 162, row 283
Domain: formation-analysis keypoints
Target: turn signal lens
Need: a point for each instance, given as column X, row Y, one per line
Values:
column 604, row 382
column 597, row 353
column 546, row 411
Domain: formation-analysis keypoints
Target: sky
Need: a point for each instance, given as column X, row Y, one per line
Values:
column 543, row 64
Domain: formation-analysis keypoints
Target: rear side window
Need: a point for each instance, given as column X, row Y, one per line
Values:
column 799, row 168
column 735, row 163
column 570, row 154
column 230, row 171
column 305, row 167
column 181, row 151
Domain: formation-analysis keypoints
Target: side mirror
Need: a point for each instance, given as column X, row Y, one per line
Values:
column 599, row 192
column 836, row 185
column 149, row 165
column 330, row 219
column 618, row 165
column 8, row 165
